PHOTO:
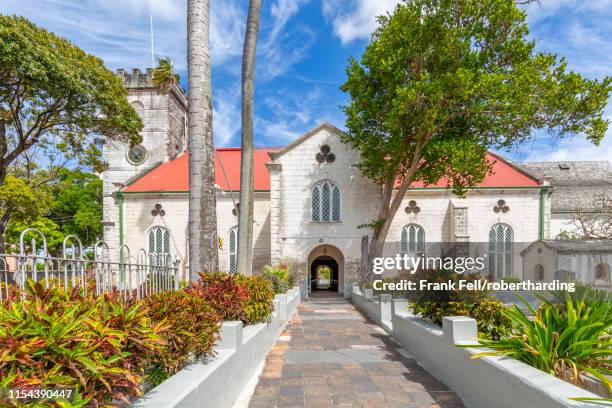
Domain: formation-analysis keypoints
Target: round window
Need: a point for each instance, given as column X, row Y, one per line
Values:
column 137, row 154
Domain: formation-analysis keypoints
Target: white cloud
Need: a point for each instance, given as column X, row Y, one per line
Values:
column 226, row 114
column 295, row 113
column 357, row 19
column 115, row 30
column 547, row 8
column 573, row 149
column 227, row 25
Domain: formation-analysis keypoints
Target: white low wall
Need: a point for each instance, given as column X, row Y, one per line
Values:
column 217, row 382
column 485, row 382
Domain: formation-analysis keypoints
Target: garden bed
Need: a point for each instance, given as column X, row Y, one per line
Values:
column 492, row 381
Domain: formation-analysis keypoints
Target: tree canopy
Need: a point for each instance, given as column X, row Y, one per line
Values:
column 52, row 92
column 68, row 205
column 443, row 80
column 58, row 106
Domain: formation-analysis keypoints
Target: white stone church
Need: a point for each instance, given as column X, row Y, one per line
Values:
column 310, row 198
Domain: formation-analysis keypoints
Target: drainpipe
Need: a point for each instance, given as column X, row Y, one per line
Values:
column 543, row 190
column 121, row 198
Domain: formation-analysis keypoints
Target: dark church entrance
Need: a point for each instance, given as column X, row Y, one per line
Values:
column 324, row 274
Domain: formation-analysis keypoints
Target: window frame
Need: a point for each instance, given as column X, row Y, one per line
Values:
column 159, row 232
column 495, row 253
column 419, row 247
column 232, row 258
column 318, row 188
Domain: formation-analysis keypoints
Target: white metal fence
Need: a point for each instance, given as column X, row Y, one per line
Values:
column 93, row 269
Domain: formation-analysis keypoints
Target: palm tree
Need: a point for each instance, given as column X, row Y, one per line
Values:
column 164, row 76
column 203, row 239
column 245, row 220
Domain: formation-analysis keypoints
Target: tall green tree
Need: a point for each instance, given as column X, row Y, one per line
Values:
column 443, row 80
column 58, row 105
column 203, row 238
column 245, row 219
column 70, row 204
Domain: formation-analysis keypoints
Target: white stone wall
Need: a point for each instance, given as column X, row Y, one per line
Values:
column 261, row 228
column 138, row 220
column 297, row 234
column 295, row 172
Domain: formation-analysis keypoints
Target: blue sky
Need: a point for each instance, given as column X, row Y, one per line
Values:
column 302, row 53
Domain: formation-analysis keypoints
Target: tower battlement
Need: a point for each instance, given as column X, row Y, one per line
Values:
column 136, row 78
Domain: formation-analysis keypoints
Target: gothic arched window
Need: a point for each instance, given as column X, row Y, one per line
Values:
column 326, row 202
column 159, row 245
column 412, row 240
column 500, row 250
column 233, row 248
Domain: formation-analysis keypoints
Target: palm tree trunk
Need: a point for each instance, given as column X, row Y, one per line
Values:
column 203, row 238
column 245, row 223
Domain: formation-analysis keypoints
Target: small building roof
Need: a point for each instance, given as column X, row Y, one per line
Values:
column 574, row 183
column 572, row 245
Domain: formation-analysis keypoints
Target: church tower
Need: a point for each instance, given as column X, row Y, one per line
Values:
column 164, row 118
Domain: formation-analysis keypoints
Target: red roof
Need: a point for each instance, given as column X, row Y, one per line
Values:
column 504, row 174
column 174, row 175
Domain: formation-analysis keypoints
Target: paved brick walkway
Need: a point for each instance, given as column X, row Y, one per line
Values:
column 331, row 356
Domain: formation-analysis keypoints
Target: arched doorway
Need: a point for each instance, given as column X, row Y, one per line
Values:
column 324, row 274
column 326, row 269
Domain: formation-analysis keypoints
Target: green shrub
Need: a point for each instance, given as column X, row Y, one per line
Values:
column 278, row 276
column 190, row 326
column 60, row 339
column 566, row 339
column 261, row 294
column 492, row 323
column 435, row 304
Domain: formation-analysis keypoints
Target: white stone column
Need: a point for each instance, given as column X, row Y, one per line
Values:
column 275, row 212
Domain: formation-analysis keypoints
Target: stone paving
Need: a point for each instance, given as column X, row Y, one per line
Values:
column 332, row 356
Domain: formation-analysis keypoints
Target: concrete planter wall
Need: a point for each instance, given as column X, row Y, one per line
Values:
column 485, row 382
column 217, row 382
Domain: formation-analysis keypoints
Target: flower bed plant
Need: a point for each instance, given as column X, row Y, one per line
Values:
column 235, row 297
column 279, row 276
column 105, row 347
column 570, row 336
column 434, row 305
column 61, row 339
column 191, row 327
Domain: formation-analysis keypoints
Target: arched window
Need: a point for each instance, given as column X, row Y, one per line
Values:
column 159, row 245
column 500, row 250
column 326, row 202
column 602, row 272
column 412, row 240
column 233, row 248
column 539, row 272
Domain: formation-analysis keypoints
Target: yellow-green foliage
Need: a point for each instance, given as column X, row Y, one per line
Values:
column 190, row 326
column 570, row 336
column 261, row 294
column 492, row 323
column 55, row 338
